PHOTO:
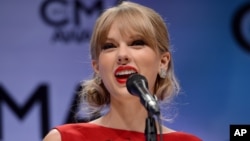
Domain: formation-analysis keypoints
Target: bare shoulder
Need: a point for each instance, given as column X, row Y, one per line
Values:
column 53, row 135
column 167, row 130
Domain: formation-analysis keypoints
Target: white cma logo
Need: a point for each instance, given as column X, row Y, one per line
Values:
column 240, row 132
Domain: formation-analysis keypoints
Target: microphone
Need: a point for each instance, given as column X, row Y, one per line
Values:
column 137, row 85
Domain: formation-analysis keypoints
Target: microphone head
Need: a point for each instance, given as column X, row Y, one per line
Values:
column 134, row 81
column 137, row 85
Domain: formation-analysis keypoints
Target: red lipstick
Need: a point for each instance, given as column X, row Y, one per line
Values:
column 123, row 72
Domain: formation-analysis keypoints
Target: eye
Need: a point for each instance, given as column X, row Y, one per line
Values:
column 138, row 43
column 108, row 46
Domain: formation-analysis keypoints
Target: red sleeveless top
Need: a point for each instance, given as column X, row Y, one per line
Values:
column 93, row 132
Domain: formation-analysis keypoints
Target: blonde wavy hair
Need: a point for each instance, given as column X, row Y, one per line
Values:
column 133, row 18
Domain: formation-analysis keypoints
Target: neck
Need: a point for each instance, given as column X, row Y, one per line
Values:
column 125, row 115
column 130, row 116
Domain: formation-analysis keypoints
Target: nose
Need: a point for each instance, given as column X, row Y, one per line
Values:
column 123, row 55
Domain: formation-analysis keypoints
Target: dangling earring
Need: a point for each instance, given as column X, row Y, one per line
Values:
column 98, row 79
column 163, row 73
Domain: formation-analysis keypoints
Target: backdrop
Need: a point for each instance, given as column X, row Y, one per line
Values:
column 44, row 54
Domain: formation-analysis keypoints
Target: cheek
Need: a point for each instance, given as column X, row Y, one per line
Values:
column 105, row 64
column 149, row 66
column 148, row 59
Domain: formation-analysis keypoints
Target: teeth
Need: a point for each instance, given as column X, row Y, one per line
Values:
column 125, row 72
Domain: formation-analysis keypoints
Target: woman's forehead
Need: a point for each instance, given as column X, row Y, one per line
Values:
column 124, row 31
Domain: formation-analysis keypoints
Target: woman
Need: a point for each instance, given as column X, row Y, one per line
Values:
column 127, row 39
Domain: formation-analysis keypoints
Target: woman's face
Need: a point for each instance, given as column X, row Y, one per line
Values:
column 122, row 56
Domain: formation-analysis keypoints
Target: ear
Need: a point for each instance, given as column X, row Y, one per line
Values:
column 164, row 61
column 95, row 66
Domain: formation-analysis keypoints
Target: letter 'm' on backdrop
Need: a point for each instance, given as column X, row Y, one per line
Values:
column 44, row 55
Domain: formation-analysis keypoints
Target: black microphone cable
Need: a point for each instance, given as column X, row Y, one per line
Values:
column 158, row 117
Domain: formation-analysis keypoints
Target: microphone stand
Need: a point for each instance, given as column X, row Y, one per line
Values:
column 150, row 129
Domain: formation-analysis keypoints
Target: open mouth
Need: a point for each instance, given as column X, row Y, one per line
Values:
column 123, row 74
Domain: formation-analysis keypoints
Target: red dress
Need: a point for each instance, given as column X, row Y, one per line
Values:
column 93, row 132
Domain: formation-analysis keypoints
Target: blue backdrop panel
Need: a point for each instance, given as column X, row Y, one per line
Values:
column 44, row 54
